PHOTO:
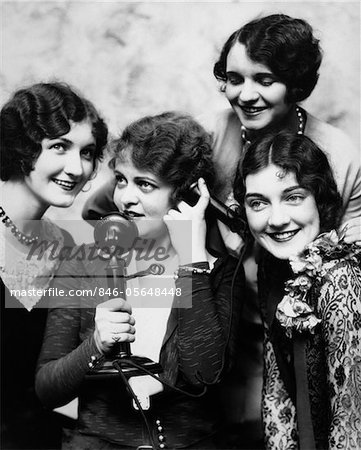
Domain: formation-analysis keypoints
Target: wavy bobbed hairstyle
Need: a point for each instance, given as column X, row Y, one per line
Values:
column 43, row 110
column 285, row 45
column 172, row 146
column 294, row 153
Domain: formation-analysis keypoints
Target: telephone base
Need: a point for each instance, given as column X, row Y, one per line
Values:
column 105, row 369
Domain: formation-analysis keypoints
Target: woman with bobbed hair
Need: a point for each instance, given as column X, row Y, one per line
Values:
column 171, row 145
column 188, row 328
column 51, row 141
column 265, row 69
column 301, row 156
column 283, row 44
column 41, row 111
column 309, row 282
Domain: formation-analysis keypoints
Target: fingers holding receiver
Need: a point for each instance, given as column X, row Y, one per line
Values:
column 113, row 323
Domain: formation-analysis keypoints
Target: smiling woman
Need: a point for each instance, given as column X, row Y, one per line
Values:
column 310, row 394
column 63, row 166
column 51, row 140
column 257, row 95
column 282, row 215
column 266, row 69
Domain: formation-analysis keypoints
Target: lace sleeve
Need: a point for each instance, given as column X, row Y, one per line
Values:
column 339, row 307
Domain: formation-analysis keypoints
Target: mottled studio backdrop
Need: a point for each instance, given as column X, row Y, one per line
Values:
column 133, row 59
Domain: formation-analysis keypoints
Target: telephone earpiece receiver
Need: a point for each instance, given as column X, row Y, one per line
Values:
column 229, row 215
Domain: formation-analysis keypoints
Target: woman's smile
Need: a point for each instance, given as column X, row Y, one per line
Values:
column 257, row 96
column 66, row 185
column 283, row 236
column 63, row 166
column 282, row 215
column 253, row 110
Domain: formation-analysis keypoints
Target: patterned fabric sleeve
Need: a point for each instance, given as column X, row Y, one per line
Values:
column 339, row 307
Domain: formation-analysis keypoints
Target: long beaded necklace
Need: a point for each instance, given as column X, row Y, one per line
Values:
column 300, row 127
column 20, row 236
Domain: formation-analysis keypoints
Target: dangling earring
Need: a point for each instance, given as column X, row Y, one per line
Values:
column 88, row 184
column 94, row 174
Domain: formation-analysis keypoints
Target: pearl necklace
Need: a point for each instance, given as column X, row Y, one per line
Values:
column 300, row 127
column 301, row 120
column 20, row 236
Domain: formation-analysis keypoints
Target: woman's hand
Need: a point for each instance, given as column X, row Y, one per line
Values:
column 181, row 240
column 113, row 323
column 352, row 231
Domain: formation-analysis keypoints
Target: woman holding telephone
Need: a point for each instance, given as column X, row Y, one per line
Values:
column 155, row 162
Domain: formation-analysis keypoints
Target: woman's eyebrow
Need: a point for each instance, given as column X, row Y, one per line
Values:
column 91, row 144
column 62, row 139
column 292, row 188
column 233, row 72
column 145, row 178
column 265, row 74
column 254, row 194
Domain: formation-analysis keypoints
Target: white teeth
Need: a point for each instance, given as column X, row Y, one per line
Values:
column 283, row 236
column 253, row 110
column 66, row 184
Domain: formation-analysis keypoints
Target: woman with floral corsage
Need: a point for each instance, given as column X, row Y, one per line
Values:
column 51, row 140
column 309, row 282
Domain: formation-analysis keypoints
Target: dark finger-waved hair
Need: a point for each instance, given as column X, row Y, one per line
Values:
column 172, row 146
column 43, row 110
column 294, row 153
column 285, row 45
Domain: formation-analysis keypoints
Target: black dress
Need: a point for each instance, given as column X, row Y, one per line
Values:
column 25, row 423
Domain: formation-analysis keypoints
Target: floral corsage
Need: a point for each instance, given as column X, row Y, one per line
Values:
column 293, row 312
